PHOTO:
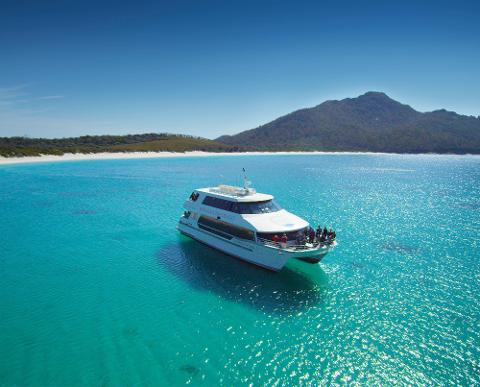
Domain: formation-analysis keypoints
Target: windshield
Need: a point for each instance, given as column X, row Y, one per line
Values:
column 256, row 207
column 242, row 208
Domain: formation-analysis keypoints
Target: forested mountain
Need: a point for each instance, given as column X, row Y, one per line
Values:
column 371, row 122
column 150, row 142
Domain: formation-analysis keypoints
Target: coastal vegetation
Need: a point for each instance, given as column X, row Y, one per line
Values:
column 149, row 142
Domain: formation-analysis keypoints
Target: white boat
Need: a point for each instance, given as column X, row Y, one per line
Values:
column 248, row 225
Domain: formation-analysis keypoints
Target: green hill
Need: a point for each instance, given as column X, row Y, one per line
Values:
column 371, row 122
column 150, row 142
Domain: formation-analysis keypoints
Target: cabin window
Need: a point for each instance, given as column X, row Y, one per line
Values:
column 194, row 196
column 220, row 227
column 218, row 203
column 255, row 207
column 242, row 207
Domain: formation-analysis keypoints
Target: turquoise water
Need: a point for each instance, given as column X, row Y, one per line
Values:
column 98, row 288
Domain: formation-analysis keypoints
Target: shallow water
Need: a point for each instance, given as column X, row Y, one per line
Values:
column 98, row 288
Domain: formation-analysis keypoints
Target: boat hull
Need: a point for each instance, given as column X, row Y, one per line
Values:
column 267, row 257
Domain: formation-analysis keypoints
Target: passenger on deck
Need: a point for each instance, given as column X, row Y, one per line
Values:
column 325, row 232
column 330, row 236
column 276, row 238
column 299, row 238
column 284, row 240
column 318, row 233
column 311, row 235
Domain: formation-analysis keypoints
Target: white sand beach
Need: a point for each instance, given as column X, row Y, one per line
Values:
column 138, row 155
column 152, row 155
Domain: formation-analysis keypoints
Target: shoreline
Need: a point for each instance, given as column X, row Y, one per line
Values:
column 154, row 155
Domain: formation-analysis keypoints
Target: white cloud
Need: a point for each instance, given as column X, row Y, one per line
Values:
column 51, row 97
column 10, row 95
column 22, row 112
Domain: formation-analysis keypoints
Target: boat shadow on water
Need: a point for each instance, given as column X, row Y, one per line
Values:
column 297, row 287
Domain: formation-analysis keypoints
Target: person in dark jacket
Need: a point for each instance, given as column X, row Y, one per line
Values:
column 299, row 238
column 311, row 235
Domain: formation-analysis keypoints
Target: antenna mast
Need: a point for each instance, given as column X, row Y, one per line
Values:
column 246, row 182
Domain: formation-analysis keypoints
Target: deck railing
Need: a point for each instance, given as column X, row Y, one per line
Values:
column 290, row 246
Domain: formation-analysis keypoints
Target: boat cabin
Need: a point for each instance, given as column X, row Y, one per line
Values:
column 244, row 201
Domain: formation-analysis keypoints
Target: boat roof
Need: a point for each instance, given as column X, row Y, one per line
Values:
column 236, row 194
column 275, row 222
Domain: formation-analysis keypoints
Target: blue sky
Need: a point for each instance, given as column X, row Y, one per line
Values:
column 219, row 67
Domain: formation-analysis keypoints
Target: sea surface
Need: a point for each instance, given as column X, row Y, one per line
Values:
column 99, row 289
